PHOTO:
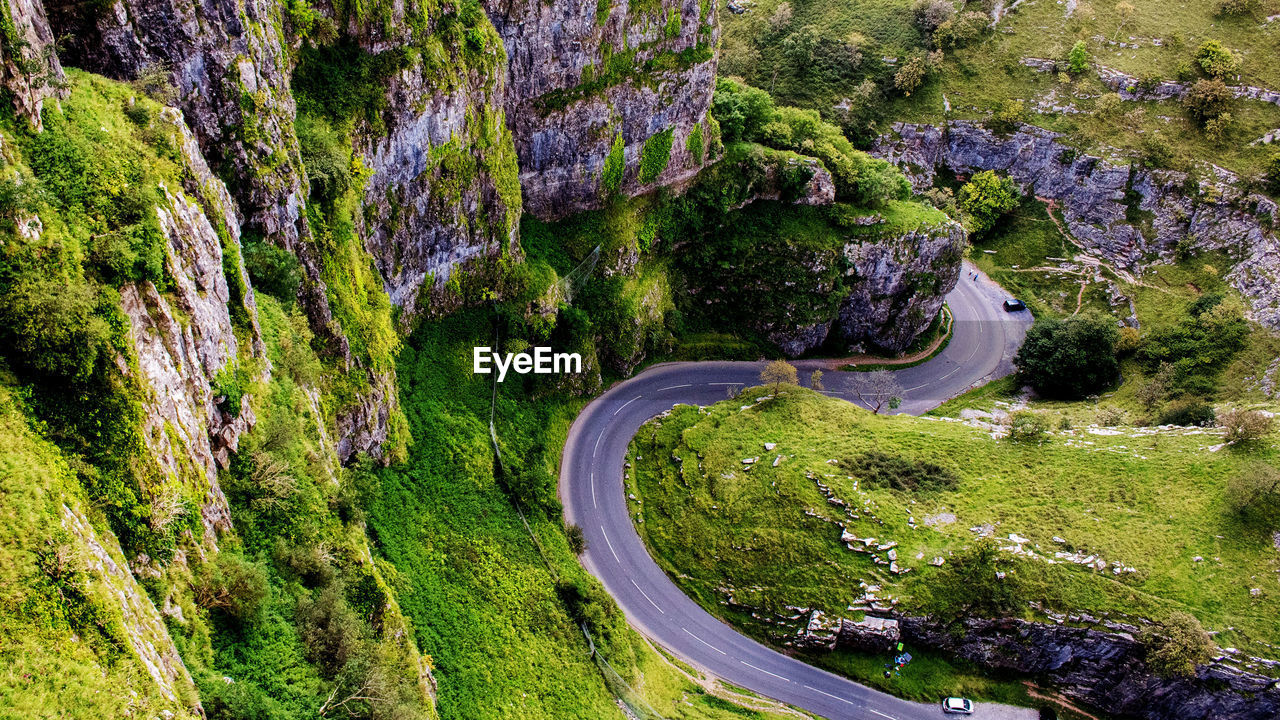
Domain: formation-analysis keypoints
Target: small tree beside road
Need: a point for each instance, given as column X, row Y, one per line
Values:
column 779, row 373
column 879, row 390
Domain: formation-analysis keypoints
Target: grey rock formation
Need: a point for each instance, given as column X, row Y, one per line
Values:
column 426, row 215
column 896, row 285
column 182, row 340
column 870, row 634
column 1103, row 669
column 579, row 77
column 1125, row 213
column 30, row 71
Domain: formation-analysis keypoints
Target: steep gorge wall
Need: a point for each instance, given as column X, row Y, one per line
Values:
column 1128, row 214
column 582, row 75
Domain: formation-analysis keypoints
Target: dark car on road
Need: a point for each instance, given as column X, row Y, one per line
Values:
column 1014, row 305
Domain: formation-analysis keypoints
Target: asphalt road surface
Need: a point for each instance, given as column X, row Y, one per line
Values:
column 591, row 487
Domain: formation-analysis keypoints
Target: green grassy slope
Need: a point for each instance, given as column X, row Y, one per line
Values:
column 1151, row 502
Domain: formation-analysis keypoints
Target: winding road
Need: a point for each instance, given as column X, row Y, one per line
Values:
column 591, row 487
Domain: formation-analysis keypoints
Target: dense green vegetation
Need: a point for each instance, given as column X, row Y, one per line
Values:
column 1071, row 358
column 1148, row 501
column 80, row 202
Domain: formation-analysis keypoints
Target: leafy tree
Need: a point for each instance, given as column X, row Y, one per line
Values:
column 911, row 75
column 1009, row 115
column 1217, row 61
column 779, row 373
column 1069, row 359
column 577, row 540
column 1176, row 645
column 879, row 389
column 1078, row 58
column 986, row 198
column 1235, row 8
column 1191, row 411
column 929, row 14
column 273, row 270
column 1154, row 391
column 961, row 30
column 1207, row 99
column 815, row 380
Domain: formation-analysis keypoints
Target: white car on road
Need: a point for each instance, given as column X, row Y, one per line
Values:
column 957, row 706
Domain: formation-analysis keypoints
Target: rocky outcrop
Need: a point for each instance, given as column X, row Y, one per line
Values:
column 581, row 75
column 870, row 634
column 141, row 624
column 29, row 67
column 445, row 193
column 1103, row 669
column 185, row 339
column 896, row 285
column 1126, row 213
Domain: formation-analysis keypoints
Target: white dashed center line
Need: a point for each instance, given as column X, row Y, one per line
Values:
column 615, row 412
column 645, row 594
column 606, row 542
column 882, row 714
column 704, row 642
column 766, row 672
column 673, row 387
column 833, row 697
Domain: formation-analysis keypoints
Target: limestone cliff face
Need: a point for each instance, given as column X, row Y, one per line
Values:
column 140, row 621
column 896, row 285
column 1122, row 211
column 29, row 67
column 185, row 339
column 444, row 195
column 581, row 75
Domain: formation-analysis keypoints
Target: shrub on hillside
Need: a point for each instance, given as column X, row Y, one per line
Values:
column 979, row 581
column 1245, row 426
column 1078, row 58
column 929, row 14
column 1235, row 8
column 1217, row 61
column 232, row 584
column 961, row 30
column 1026, row 426
column 1272, row 177
column 1009, row 116
column 1187, row 411
column 1176, row 645
column 1200, row 345
column 986, row 198
column 1254, row 494
column 1207, row 99
column 746, row 114
column 1071, row 358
